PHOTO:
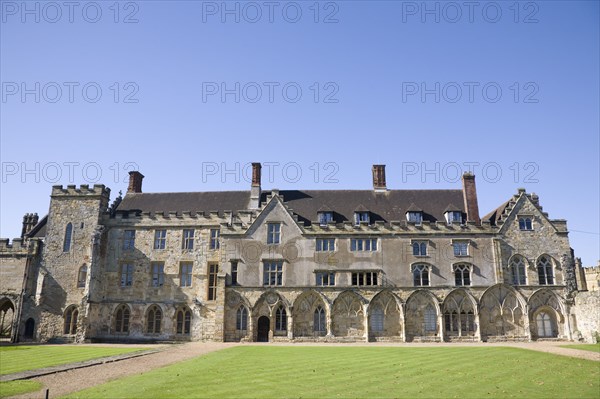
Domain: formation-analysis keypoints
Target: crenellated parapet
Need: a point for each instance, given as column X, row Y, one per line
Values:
column 18, row 246
column 83, row 190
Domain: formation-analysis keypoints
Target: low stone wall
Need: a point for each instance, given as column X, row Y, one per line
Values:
column 587, row 316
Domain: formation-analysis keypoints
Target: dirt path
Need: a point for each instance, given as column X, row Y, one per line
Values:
column 78, row 379
column 75, row 380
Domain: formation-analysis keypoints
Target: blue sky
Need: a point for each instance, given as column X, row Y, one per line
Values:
column 187, row 90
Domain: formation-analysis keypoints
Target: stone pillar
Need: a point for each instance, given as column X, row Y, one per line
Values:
column 478, row 329
column 527, row 323
column 290, row 325
column 219, row 334
column 366, row 321
column 441, row 322
column 329, row 320
column 403, row 321
column 250, row 326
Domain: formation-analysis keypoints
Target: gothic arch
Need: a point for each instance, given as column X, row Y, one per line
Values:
column 7, row 316
column 348, row 318
column 233, row 302
column 268, row 305
column 306, row 324
column 547, row 302
column 421, row 316
column 460, row 314
column 502, row 313
column 385, row 316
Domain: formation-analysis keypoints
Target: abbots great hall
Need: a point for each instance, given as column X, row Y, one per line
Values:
column 296, row 265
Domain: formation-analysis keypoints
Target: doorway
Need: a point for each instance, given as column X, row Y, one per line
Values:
column 264, row 325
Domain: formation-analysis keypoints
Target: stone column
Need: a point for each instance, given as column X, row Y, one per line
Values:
column 366, row 321
column 403, row 322
column 220, row 308
column 440, row 319
column 527, row 324
column 329, row 319
column 478, row 330
column 290, row 325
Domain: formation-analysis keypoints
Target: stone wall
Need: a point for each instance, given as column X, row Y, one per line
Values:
column 586, row 312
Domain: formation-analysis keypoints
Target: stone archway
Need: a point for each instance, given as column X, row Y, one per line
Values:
column 310, row 315
column 546, row 316
column 348, row 318
column 502, row 314
column 459, row 315
column 385, row 318
column 422, row 317
column 262, row 329
column 7, row 315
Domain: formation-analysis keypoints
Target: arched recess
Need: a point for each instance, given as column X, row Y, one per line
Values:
column 460, row 314
column 183, row 321
column 385, row 316
column 70, row 317
column 422, row 310
column 310, row 315
column 7, row 315
column 267, row 306
column 154, row 320
column 29, row 329
column 237, row 322
column 546, row 315
column 502, row 313
column 122, row 317
column 348, row 318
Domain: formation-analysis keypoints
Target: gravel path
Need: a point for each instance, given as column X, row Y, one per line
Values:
column 75, row 380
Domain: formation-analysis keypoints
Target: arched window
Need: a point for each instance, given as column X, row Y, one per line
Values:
column 544, row 325
column 419, row 248
column 71, row 315
column 7, row 312
column 122, row 319
column 68, row 236
column 82, row 276
column 462, row 275
column 420, row 275
column 544, row 268
column 430, row 319
column 153, row 320
column 376, row 319
column 281, row 319
column 320, row 324
column 184, row 321
column 517, row 269
column 241, row 321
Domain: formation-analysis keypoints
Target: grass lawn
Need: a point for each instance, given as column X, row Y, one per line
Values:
column 584, row 347
column 20, row 358
column 349, row 372
column 12, row 388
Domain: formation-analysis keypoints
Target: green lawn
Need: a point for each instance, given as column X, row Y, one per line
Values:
column 364, row 372
column 20, row 358
column 12, row 388
column 584, row 347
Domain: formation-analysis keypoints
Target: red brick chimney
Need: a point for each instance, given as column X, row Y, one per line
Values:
column 135, row 182
column 379, row 178
column 255, row 187
column 470, row 196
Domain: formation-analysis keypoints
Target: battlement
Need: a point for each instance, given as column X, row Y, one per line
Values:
column 18, row 246
column 591, row 270
column 83, row 190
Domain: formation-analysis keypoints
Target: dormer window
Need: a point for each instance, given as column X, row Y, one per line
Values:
column 525, row 223
column 361, row 217
column 414, row 217
column 325, row 218
column 453, row 217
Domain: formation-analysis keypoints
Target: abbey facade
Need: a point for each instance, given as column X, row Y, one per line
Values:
column 298, row 265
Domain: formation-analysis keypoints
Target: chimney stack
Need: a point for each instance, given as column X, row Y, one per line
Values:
column 379, row 178
column 470, row 196
column 135, row 182
column 255, row 188
column 29, row 222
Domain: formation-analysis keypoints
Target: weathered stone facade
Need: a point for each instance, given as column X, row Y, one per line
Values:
column 336, row 266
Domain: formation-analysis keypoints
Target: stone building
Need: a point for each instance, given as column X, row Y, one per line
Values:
column 294, row 265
